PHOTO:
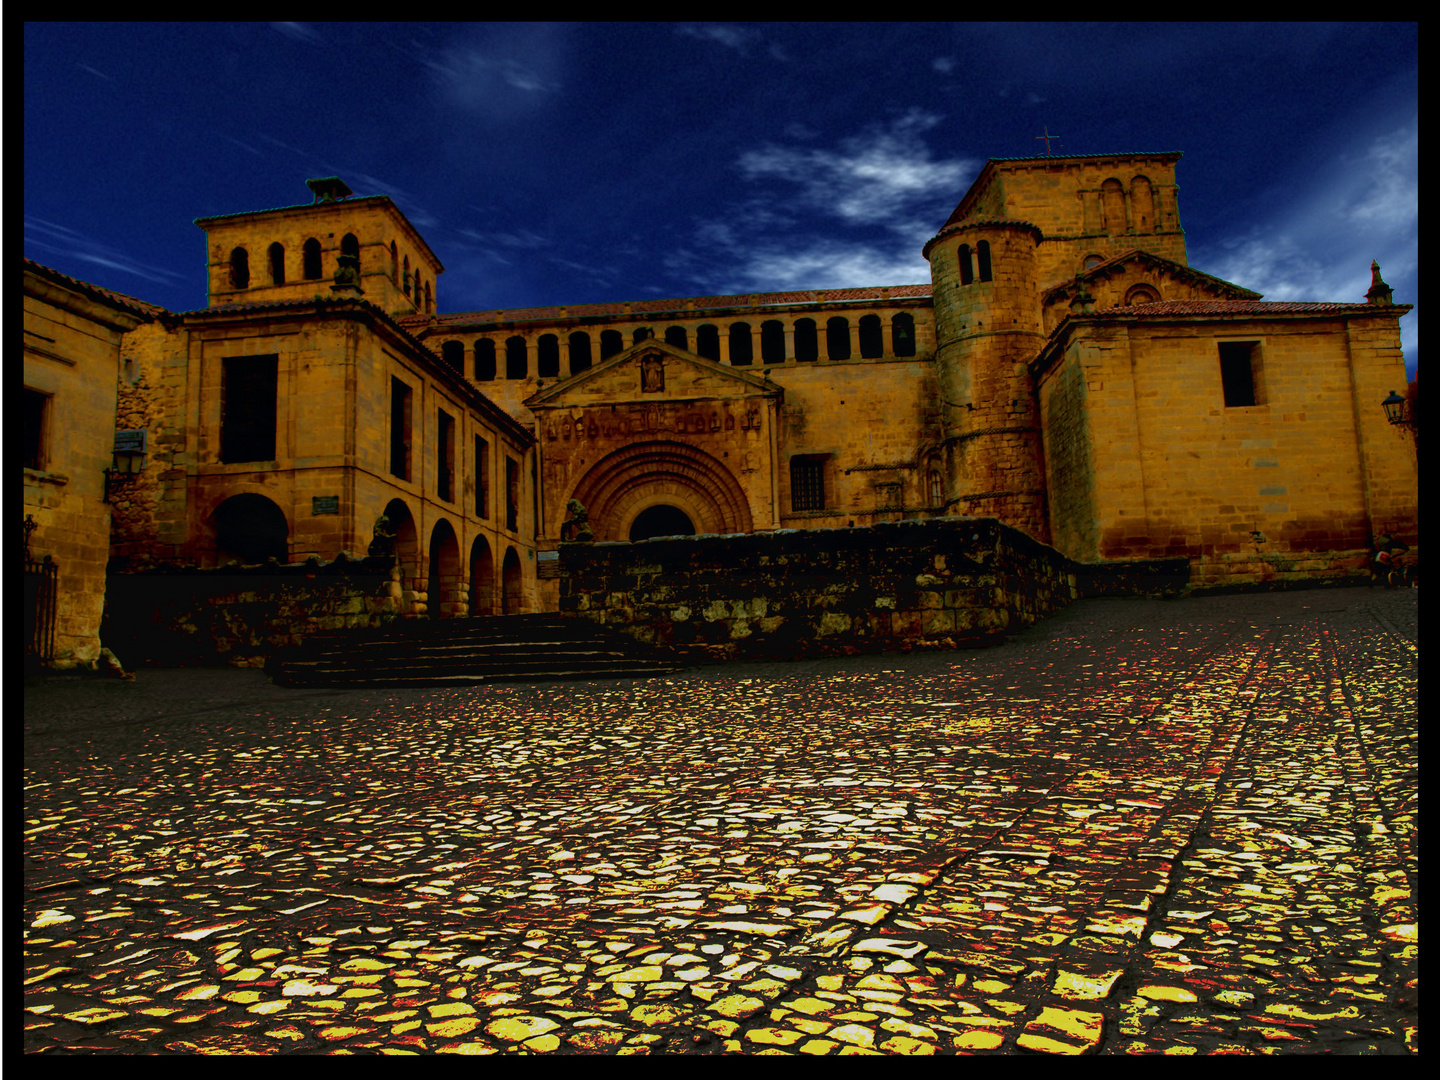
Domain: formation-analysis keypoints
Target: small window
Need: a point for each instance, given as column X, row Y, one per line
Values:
column 579, row 352
column 484, row 360
column 640, row 333
column 400, row 398
column 512, row 494
column 311, row 253
column 982, row 259
column 902, row 334
column 676, row 335
column 239, row 269
column 872, row 337
column 482, row 478
column 937, row 489
column 247, row 408
column 548, row 356
column 772, row 342
column 807, row 340
column 1238, row 371
column 1092, row 261
column 1141, row 294
column 742, row 346
column 707, row 342
column 404, row 280
column 277, row 265
column 967, row 268
column 350, row 246
column 394, row 265
column 37, row 428
column 517, row 362
column 837, row 338
column 807, row 483
column 445, row 455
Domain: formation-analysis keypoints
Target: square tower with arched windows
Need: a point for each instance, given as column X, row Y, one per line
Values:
column 336, row 244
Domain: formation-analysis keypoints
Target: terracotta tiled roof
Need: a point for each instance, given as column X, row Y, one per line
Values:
column 1238, row 307
column 680, row 307
column 118, row 299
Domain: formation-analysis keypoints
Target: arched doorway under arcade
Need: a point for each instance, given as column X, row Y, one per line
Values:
column 443, row 584
column 511, row 590
column 482, row 578
column 395, row 534
column 249, row 528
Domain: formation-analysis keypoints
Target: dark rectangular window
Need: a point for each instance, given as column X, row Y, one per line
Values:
column 512, row 495
column 482, row 477
column 400, row 396
column 247, row 408
column 807, row 483
column 1237, row 372
column 445, row 455
column 37, row 424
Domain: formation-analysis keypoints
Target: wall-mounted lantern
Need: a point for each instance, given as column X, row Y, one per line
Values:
column 127, row 459
column 1396, row 411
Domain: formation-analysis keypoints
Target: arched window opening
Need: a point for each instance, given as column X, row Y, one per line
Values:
column 351, row 247
column 1092, row 261
column 982, row 259
column 837, row 338
column 967, row 268
column 517, row 364
column 239, row 269
column 1141, row 294
column 742, row 345
column 902, row 334
column 405, row 281
column 548, row 356
column 277, row 264
column 807, row 340
column 453, row 353
column 394, row 265
column 482, row 578
column 1142, row 204
column 707, row 342
column 484, row 360
column 937, row 489
column 772, row 342
column 641, row 333
column 611, row 342
column 579, row 352
column 872, row 338
column 1112, row 204
column 311, row 260
column 676, row 335
column 429, row 300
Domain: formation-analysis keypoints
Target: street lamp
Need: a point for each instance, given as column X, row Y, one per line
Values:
column 1395, row 410
column 127, row 459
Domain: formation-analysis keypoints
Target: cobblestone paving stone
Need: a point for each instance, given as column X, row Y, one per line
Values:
column 1140, row 827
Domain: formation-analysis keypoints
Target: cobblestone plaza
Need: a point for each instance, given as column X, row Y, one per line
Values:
column 1138, row 827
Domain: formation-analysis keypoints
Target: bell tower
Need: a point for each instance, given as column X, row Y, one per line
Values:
column 988, row 327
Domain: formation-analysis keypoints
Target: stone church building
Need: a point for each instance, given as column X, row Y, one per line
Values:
column 1064, row 370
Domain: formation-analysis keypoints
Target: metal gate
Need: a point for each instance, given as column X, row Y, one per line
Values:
column 40, row 581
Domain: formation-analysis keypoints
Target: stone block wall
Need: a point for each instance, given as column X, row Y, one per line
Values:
column 938, row 583
column 239, row 615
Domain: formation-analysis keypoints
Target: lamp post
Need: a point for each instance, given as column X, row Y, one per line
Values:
column 127, row 459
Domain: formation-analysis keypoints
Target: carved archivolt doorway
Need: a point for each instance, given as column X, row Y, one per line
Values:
column 620, row 487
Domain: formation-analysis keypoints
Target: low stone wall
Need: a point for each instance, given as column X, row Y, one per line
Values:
column 938, row 582
column 239, row 615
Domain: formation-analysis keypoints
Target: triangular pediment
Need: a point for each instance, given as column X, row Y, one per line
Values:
column 1136, row 266
column 652, row 370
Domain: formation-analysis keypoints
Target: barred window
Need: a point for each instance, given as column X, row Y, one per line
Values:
column 807, row 483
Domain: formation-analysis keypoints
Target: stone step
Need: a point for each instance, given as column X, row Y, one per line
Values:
column 536, row 648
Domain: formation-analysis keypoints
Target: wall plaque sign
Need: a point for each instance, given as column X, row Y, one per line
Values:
column 324, row 504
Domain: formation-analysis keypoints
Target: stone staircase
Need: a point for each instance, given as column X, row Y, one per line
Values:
column 466, row 652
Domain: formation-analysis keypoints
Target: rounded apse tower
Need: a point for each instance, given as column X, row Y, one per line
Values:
column 987, row 329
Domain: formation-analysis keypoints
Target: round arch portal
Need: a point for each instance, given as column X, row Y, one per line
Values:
column 662, row 519
column 624, row 485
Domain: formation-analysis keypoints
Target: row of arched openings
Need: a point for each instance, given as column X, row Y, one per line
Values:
column 312, row 269
column 487, row 353
column 251, row 529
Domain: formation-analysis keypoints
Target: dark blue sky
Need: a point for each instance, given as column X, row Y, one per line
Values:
column 549, row 163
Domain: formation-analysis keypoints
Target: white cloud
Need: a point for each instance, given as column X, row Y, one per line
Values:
column 501, row 72
column 943, row 64
column 297, row 31
column 42, row 235
column 872, row 178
